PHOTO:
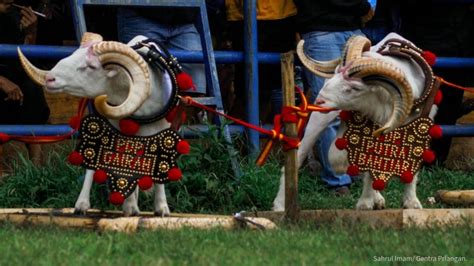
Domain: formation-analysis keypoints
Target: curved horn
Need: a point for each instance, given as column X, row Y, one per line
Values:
column 321, row 68
column 354, row 48
column 376, row 69
column 36, row 74
column 89, row 37
column 120, row 54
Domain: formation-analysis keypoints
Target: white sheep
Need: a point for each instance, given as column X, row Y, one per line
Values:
column 122, row 84
column 347, row 89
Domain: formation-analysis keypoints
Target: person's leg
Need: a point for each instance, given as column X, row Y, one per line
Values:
column 131, row 24
column 186, row 37
column 326, row 46
column 35, row 110
column 273, row 36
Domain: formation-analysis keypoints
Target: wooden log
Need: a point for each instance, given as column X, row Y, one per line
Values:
column 292, row 208
column 109, row 221
column 392, row 218
column 133, row 224
column 456, row 197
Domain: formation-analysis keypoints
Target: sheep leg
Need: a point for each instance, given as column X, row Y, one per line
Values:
column 316, row 125
column 370, row 199
column 130, row 206
column 83, row 201
column 410, row 200
column 160, row 204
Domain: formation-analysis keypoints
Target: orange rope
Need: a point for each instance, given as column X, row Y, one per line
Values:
column 455, row 85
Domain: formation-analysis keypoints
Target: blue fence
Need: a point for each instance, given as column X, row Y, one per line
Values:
column 250, row 57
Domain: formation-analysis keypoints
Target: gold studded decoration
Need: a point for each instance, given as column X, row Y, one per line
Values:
column 390, row 154
column 126, row 158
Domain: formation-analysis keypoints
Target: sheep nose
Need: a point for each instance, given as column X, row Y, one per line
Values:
column 49, row 78
column 320, row 101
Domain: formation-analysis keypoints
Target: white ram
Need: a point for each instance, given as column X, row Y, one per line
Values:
column 122, row 84
column 346, row 90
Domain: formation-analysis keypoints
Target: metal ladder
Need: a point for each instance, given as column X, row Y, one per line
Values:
column 213, row 93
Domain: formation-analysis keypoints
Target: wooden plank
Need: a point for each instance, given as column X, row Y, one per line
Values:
column 459, row 197
column 392, row 218
column 111, row 221
column 291, row 170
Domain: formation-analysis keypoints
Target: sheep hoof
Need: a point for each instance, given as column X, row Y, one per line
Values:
column 162, row 211
column 131, row 210
column 379, row 202
column 365, row 204
column 412, row 203
column 161, row 214
column 80, row 212
column 81, row 207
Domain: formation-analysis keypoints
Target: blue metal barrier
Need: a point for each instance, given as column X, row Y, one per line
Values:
column 187, row 131
column 222, row 57
column 251, row 57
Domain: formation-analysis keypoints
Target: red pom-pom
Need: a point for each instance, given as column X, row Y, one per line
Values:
column 436, row 132
column 345, row 115
column 429, row 57
column 100, row 176
column 75, row 122
column 75, row 158
column 429, row 156
column 406, row 177
column 353, row 170
column 185, row 81
column 378, row 184
column 174, row 174
column 145, row 183
column 128, row 127
column 341, row 143
column 116, row 198
column 183, row 147
column 438, row 97
column 4, row 138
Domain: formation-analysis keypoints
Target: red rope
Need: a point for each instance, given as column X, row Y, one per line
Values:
column 48, row 139
column 290, row 114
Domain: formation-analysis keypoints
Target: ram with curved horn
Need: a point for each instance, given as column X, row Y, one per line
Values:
column 386, row 84
column 122, row 85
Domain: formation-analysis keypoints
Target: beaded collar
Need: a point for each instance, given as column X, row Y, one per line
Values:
column 160, row 58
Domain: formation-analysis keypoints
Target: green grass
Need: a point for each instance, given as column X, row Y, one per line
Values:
column 303, row 245
column 208, row 186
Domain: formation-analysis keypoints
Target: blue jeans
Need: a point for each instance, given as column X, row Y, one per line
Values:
column 324, row 45
column 179, row 36
column 375, row 35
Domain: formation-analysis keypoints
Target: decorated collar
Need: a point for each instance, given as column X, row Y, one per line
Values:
column 159, row 57
column 125, row 162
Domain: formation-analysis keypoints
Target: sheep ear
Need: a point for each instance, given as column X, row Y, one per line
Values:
column 92, row 60
column 357, row 83
column 111, row 73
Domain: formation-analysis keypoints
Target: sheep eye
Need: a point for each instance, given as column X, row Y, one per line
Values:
column 81, row 68
column 356, row 89
column 92, row 67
